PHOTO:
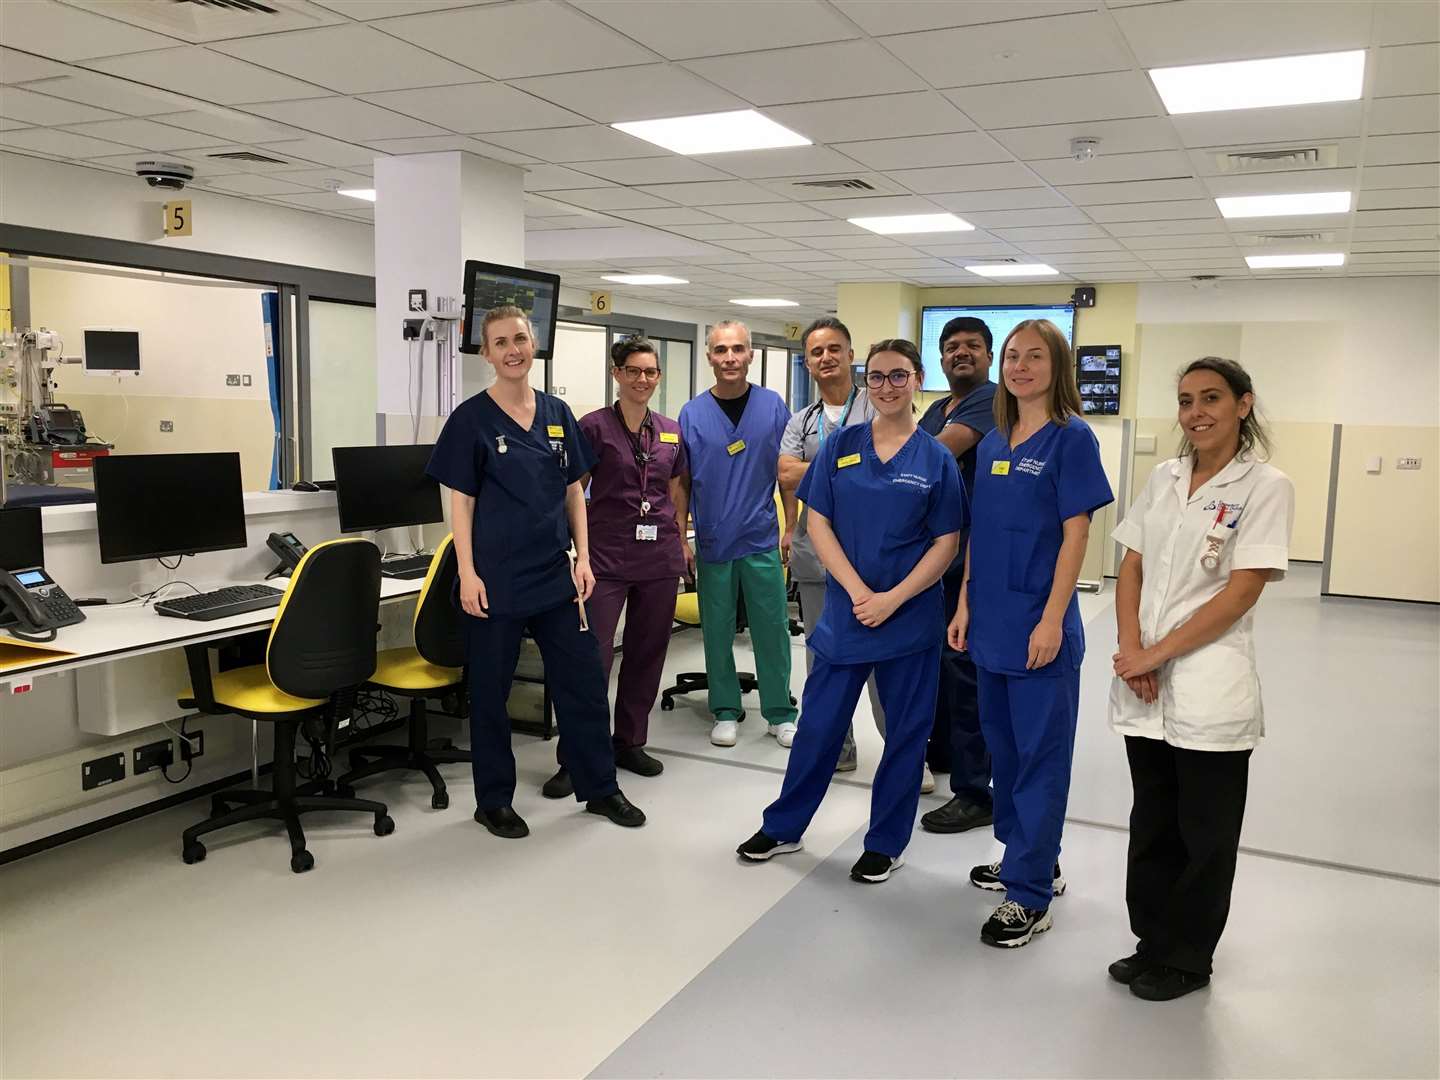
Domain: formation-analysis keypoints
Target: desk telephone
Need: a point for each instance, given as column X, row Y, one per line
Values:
column 33, row 606
column 288, row 549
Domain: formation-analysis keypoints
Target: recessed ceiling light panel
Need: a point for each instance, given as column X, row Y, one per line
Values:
column 1318, row 202
column 645, row 279
column 1013, row 270
column 765, row 302
column 714, row 133
column 368, row 194
column 1294, row 262
column 1261, row 84
column 913, row 223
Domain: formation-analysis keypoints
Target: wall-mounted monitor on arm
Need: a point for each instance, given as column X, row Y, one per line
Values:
column 111, row 350
column 490, row 285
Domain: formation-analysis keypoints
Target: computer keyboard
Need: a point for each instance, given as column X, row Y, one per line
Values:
column 407, row 567
column 231, row 600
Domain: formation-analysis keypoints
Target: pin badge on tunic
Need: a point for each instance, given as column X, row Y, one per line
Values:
column 644, row 506
column 500, row 444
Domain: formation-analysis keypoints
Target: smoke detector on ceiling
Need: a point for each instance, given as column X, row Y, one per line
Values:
column 1083, row 147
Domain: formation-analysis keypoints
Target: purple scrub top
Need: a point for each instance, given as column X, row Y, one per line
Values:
column 615, row 497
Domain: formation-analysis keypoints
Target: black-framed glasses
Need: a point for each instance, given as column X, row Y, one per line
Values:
column 898, row 377
column 635, row 374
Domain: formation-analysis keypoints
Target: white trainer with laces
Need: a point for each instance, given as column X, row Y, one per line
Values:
column 927, row 780
column 784, row 733
column 724, row 733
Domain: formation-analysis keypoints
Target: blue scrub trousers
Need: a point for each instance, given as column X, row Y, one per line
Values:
column 907, row 686
column 1029, row 725
column 577, row 688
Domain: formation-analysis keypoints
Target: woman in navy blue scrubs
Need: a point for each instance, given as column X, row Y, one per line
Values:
column 512, row 457
column 886, row 508
column 1038, row 478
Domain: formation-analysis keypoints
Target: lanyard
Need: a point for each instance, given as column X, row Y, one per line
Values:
column 640, row 448
column 844, row 416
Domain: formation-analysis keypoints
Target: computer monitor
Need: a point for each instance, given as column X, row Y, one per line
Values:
column 22, row 538
column 111, row 350
column 385, row 487
column 148, row 506
column 489, row 285
column 1000, row 318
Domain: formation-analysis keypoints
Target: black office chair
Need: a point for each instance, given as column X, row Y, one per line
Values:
column 320, row 651
column 430, row 670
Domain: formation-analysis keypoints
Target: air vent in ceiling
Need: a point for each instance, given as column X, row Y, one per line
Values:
column 248, row 155
column 1299, row 157
column 853, row 183
column 1291, row 238
column 835, row 186
column 252, row 6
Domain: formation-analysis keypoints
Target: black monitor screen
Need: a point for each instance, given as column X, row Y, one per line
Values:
column 112, row 350
column 385, row 487
column 152, row 505
column 22, row 538
column 488, row 285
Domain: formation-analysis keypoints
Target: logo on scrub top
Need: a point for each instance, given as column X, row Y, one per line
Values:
column 1029, row 465
column 557, row 447
column 913, row 480
column 1225, row 513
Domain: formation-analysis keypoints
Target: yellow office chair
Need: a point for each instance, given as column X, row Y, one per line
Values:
column 431, row 669
column 321, row 650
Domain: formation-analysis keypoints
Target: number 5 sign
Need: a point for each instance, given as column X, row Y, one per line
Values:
column 178, row 218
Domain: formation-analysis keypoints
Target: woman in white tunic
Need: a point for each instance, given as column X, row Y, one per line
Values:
column 1211, row 528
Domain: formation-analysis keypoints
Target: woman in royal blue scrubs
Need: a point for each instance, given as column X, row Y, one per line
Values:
column 886, row 508
column 1038, row 478
column 513, row 457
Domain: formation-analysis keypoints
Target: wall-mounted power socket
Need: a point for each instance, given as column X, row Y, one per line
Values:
column 232, row 380
column 167, row 425
column 192, row 745
column 156, row 755
column 1407, row 463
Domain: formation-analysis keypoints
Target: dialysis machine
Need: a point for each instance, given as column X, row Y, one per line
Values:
column 42, row 441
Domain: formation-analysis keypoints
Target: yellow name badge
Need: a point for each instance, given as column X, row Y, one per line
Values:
column 555, row 431
column 1000, row 468
column 670, row 436
column 735, row 447
column 848, row 460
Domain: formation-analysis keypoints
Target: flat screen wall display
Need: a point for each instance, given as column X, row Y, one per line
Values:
column 1000, row 318
column 1098, row 373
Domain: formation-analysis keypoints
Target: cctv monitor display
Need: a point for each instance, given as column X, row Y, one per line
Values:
column 149, row 506
column 385, row 487
column 22, row 539
column 111, row 350
column 1001, row 319
column 489, row 285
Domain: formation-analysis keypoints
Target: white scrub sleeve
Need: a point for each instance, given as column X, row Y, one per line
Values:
column 1262, row 540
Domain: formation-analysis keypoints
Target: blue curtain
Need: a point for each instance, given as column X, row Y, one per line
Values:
column 270, row 312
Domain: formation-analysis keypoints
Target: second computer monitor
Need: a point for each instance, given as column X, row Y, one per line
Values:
column 22, row 538
column 385, row 487
column 148, row 506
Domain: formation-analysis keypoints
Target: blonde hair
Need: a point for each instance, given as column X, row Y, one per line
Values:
column 495, row 314
column 1064, row 401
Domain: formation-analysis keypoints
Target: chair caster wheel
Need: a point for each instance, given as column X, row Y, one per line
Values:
column 440, row 800
column 301, row 861
column 345, row 791
column 667, row 705
column 384, row 825
column 193, row 852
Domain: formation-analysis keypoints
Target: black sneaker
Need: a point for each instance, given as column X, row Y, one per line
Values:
column 618, row 809
column 1163, row 983
column 873, row 868
column 1012, row 925
column 956, row 816
column 503, row 822
column 761, row 847
column 1130, row 968
column 987, row 876
column 559, row 786
column 636, row 760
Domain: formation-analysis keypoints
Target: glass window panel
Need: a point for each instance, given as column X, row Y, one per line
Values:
column 342, row 381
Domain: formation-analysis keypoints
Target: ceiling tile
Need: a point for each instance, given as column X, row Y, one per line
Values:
column 1098, row 258
column 1178, row 239
column 144, row 133
column 1401, row 115
column 883, row 116
column 1394, row 176
column 671, row 169
column 1012, row 51
column 1399, row 198
column 66, row 33
column 321, row 178
column 477, row 108
column 112, row 94
column 1290, row 123
column 1116, row 137
column 770, row 212
column 804, row 161
column 966, row 178
column 1431, row 244
column 1282, row 183
column 926, row 151
column 319, row 200
column 875, row 206
column 1176, row 210
column 1071, row 99
column 19, row 67
column 854, row 245
column 670, row 216
column 683, row 31
column 197, row 24
column 762, row 243
column 609, row 198
column 11, row 125
column 904, row 16
column 1164, row 227
column 1407, row 69
column 198, row 71
column 519, row 40
column 711, row 192
column 434, row 144
column 347, row 119
column 809, row 73
column 62, row 143
column 322, row 151
column 826, row 228
column 1045, row 247
column 228, row 125
column 718, row 232
column 1138, row 191
column 1210, row 31
column 350, row 59
column 250, row 184
column 31, row 108
column 1402, row 149
column 1419, row 216
column 968, row 202
column 384, row 9
column 1108, row 168
column 969, row 249
column 1400, row 22
column 632, row 93
column 594, row 143
column 1017, row 226
column 555, row 178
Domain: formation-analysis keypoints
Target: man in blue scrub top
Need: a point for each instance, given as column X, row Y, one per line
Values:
column 959, row 421
column 732, row 436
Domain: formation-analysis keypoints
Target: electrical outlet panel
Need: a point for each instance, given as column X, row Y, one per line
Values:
column 167, row 425
column 101, row 771
column 154, row 755
column 1407, row 463
column 232, row 380
column 192, row 745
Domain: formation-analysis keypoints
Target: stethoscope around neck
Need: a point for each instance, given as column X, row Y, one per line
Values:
column 642, row 449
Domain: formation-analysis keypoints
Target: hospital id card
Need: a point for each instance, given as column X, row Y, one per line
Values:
column 555, row 431
column 1000, row 468
column 647, row 532
column 848, row 460
column 735, row 447
column 670, row 436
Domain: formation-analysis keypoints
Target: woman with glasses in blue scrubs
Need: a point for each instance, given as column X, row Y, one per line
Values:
column 1038, row 478
column 886, row 508
column 512, row 458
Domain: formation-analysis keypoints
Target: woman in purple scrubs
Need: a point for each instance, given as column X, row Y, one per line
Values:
column 637, row 548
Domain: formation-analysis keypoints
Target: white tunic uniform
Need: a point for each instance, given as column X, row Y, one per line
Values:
column 1209, row 698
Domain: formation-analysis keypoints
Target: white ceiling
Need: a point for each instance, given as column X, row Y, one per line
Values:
column 961, row 105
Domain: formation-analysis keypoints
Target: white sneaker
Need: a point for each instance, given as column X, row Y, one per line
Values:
column 784, row 733
column 927, row 780
column 724, row 733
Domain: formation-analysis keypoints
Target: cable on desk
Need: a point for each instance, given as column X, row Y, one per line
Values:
column 149, row 596
column 189, row 765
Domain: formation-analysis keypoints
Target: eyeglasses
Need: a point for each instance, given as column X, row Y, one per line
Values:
column 899, row 377
column 635, row 374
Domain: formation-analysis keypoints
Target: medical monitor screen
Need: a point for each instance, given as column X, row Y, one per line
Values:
column 385, row 487
column 111, row 351
column 148, row 506
column 1001, row 319
column 488, row 285
column 22, row 539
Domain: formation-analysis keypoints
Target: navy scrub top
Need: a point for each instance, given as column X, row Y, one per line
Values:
column 1022, row 498
column 885, row 515
column 520, row 534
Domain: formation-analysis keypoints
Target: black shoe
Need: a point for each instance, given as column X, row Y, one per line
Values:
column 1130, row 968
column 987, row 876
column 618, row 809
column 559, row 786
column 873, row 868
column 638, row 761
column 957, row 815
column 503, row 822
column 1163, row 983
column 761, row 847
column 1012, row 925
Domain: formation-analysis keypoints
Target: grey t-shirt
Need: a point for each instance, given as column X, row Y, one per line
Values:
column 806, row 430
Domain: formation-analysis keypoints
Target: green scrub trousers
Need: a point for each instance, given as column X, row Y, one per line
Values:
column 763, row 580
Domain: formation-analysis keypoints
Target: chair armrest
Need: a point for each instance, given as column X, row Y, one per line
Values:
column 202, row 688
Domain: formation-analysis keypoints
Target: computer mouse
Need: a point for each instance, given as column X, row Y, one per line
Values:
column 304, row 485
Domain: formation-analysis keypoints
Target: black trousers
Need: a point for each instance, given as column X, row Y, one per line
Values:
column 1184, row 837
column 956, row 743
column 577, row 688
